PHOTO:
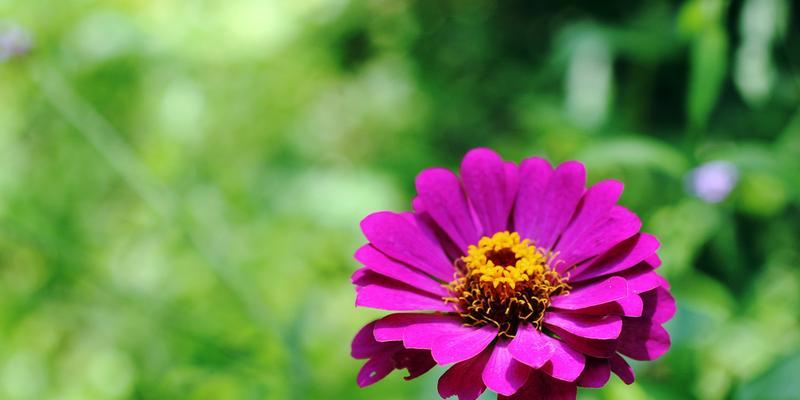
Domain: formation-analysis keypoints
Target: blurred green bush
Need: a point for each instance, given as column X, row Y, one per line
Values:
column 181, row 181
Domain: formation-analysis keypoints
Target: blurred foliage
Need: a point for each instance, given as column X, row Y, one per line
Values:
column 181, row 181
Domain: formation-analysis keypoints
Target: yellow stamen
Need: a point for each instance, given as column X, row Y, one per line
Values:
column 527, row 260
column 504, row 280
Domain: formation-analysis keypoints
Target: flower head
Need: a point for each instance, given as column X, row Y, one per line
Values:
column 712, row 181
column 504, row 280
column 517, row 276
column 14, row 41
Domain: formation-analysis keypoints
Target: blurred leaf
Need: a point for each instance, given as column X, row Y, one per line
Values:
column 683, row 229
column 762, row 194
column 775, row 298
column 779, row 383
column 706, row 295
column 697, row 15
column 616, row 390
column 634, row 152
column 747, row 155
column 788, row 148
column 708, row 60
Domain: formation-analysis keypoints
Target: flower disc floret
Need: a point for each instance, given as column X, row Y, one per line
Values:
column 503, row 281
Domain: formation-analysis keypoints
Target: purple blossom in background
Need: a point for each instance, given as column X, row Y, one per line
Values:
column 516, row 277
column 713, row 181
column 14, row 41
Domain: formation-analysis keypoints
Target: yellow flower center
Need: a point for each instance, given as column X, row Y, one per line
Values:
column 504, row 281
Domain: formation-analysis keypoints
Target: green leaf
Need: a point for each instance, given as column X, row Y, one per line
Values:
column 707, row 73
column 681, row 240
column 779, row 383
column 639, row 152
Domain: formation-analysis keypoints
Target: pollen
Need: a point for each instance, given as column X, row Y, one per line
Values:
column 504, row 281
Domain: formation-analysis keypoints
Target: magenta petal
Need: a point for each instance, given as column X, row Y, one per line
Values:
column 618, row 225
column 539, row 386
column 381, row 356
column 630, row 306
column 380, row 263
column 590, row 327
column 416, row 362
column 642, row 279
column 462, row 345
column 377, row 291
column 503, row 373
column 642, row 339
column 530, row 346
column 659, row 305
column 557, row 203
column 400, row 239
column 417, row 331
column 596, row 373
column 623, row 370
column 611, row 289
column 464, row 379
column 433, row 231
column 364, row 343
column 375, row 369
column 422, row 336
column 654, row 261
column 488, row 186
column 360, row 275
column 385, row 357
column 445, row 201
column 601, row 348
column 557, row 390
column 594, row 206
column 512, row 180
column 533, row 176
column 566, row 364
column 391, row 327
column 623, row 256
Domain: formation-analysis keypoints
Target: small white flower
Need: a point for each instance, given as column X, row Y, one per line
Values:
column 14, row 41
column 713, row 181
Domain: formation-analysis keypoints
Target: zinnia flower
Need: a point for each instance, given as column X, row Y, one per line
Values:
column 519, row 277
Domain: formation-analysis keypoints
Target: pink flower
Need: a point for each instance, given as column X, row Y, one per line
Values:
column 519, row 277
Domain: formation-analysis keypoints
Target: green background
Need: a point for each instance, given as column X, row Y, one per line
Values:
column 181, row 181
